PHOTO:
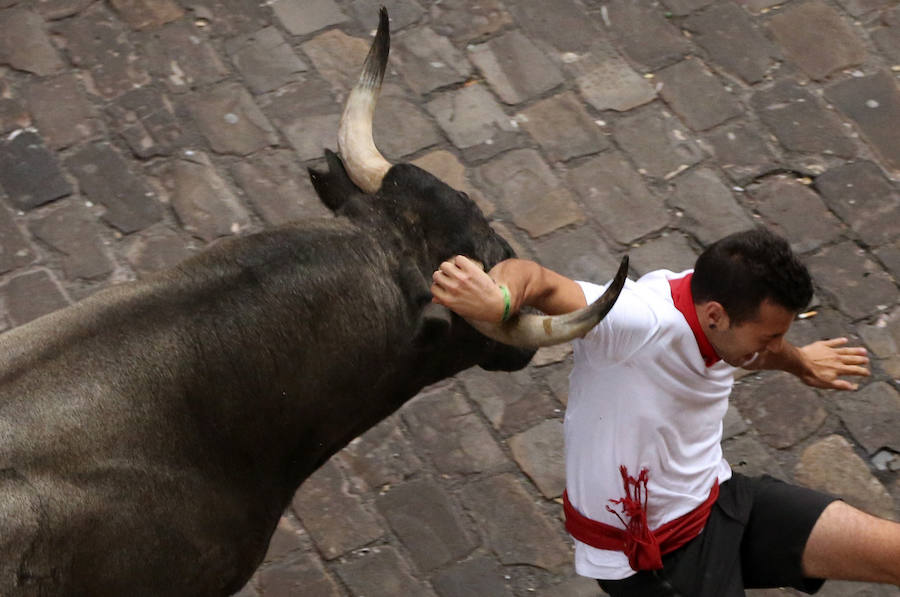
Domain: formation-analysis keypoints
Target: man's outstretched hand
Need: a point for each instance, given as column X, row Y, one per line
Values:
column 826, row 361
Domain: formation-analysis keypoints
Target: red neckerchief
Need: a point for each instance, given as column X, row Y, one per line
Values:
column 684, row 302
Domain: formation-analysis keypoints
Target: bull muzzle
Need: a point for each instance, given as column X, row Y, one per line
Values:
column 536, row 331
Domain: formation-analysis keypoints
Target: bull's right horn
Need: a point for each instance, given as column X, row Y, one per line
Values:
column 364, row 163
column 535, row 331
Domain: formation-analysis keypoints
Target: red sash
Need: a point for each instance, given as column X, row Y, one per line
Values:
column 643, row 547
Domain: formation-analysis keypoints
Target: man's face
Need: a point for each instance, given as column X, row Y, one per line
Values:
column 736, row 344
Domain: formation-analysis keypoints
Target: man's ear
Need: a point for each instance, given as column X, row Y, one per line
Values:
column 715, row 315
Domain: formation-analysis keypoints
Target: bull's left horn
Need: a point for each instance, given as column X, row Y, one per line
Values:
column 364, row 163
column 535, row 331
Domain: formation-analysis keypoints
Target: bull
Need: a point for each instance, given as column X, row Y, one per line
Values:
column 152, row 435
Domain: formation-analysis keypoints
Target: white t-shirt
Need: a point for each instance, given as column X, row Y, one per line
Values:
column 641, row 396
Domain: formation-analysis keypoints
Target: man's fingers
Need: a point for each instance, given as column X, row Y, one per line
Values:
column 835, row 342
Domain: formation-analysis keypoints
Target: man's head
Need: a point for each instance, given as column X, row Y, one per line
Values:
column 748, row 287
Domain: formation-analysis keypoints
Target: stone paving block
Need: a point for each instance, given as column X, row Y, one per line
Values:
column 579, row 586
column 562, row 127
column 427, row 523
column 380, row 457
column 742, row 152
column 58, row 9
column 451, row 433
column 759, row 6
column 644, row 34
column 617, row 197
column 13, row 114
column 659, row 145
column 62, row 112
column 97, row 42
column 841, row 588
column 887, row 38
column 732, row 41
column 748, row 456
column 539, row 452
column 861, row 196
column 265, row 60
column 680, row 8
column 859, row 286
column 516, row 529
column 288, row 541
column 709, row 210
column 858, row 8
column 696, row 95
column 304, row 576
column 473, row 121
column 105, row 178
column 146, row 119
column 578, row 253
column 30, row 295
column 800, row 122
column 156, row 248
column 467, row 20
column 449, row 169
column 561, row 23
column 337, row 57
column 73, row 233
column 29, row 172
column 307, row 115
column 231, row 121
column 15, row 251
column 201, row 198
column 277, row 188
column 231, row 17
column 336, row 520
column 145, row 14
column 25, row 45
column 872, row 415
column 670, row 251
column 889, row 255
column 474, row 577
column 527, row 188
column 800, row 29
column 794, row 211
column 427, row 61
column 780, row 407
column 381, row 573
column 515, row 68
column 400, row 126
column 831, row 465
column 182, row 56
column 301, row 17
column 402, row 13
column 882, row 337
column 873, row 103
column 733, row 424
column 510, row 401
column 607, row 82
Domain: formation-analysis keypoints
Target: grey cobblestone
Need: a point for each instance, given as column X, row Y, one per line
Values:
column 585, row 129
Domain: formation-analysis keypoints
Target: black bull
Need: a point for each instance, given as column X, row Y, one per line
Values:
column 152, row 435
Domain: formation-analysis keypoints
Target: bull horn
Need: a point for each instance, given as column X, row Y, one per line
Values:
column 364, row 163
column 535, row 331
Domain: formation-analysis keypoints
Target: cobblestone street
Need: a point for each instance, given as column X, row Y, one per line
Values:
column 135, row 132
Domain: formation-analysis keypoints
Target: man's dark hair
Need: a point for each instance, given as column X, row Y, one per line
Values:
column 743, row 269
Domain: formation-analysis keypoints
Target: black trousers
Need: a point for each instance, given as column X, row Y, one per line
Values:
column 754, row 538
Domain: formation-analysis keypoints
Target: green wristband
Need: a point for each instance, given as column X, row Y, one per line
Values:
column 507, row 302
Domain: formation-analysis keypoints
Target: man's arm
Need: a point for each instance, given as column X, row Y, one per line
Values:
column 462, row 286
column 820, row 364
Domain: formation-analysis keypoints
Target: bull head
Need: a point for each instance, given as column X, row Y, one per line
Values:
column 367, row 168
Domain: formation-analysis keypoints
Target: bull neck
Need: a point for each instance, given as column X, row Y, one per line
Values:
column 684, row 302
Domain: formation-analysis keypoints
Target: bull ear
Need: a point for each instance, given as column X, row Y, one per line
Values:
column 333, row 187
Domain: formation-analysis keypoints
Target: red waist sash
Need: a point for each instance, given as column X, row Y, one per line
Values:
column 643, row 547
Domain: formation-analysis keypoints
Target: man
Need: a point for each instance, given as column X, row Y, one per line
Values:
column 653, row 506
